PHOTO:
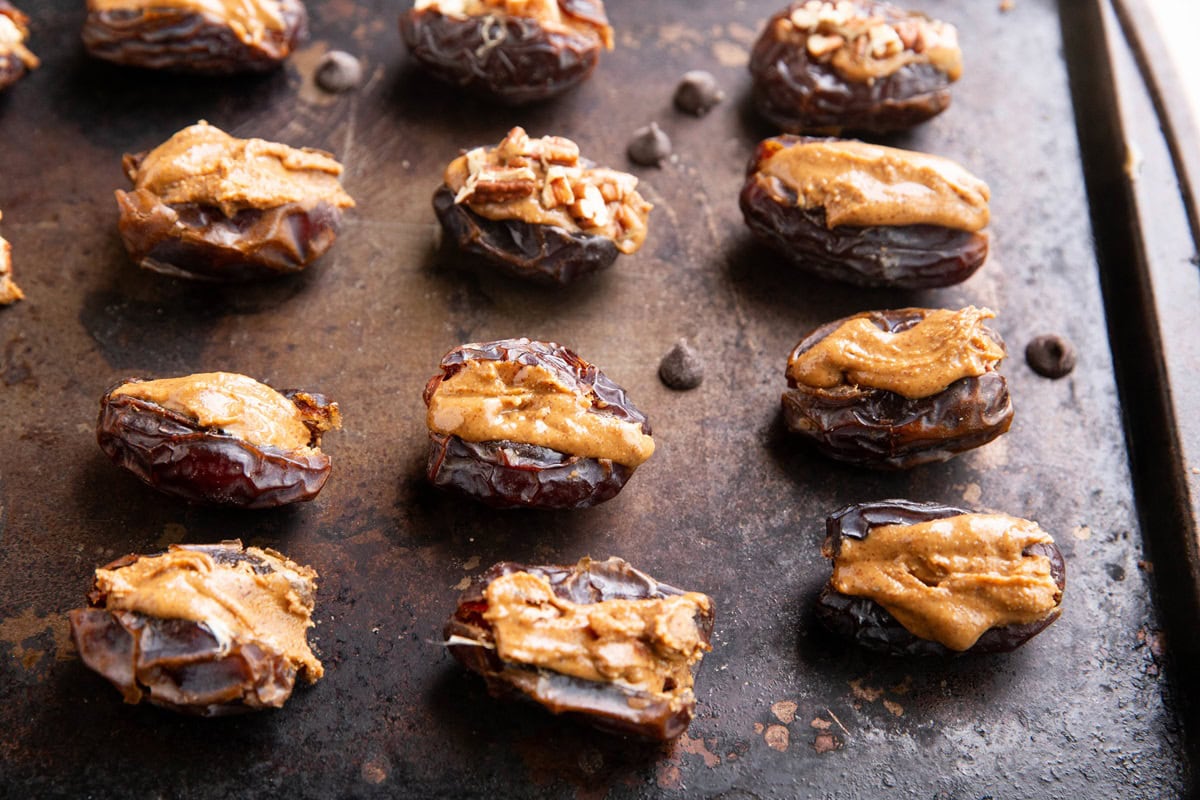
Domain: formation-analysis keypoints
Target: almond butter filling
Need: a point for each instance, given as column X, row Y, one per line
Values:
column 250, row 20
column 863, row 45
column 646, row 645
column 544, row 182
column 202, row 164
column 235, row 602
column 232, row 403
column 12, row 38
column 950, row 580
column 9, row 291
column 865, row 184
column 488, row 401
column 547, row 12
column 917, row 362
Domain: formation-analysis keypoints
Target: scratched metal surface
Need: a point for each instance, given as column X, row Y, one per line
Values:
column 728, row 505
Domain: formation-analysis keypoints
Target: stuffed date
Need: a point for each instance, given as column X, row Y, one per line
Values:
column 534, row 209
column 15, row 57
column 207, row 630
column 208, row 206
column 219, row 438
column 519, row 423
column 599, row 641
column 512, row 51
column 865, row 214
column 9, row 291
column 924, row 579
column 212, row 37
column 896, row 389
column 824, row 67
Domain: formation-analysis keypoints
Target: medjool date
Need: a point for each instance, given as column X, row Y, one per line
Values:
column 219, row 438
column 859, row 65
column 208, row 630
column 519, row 423
column 896, row 389
column 211, row 207
column 925, row 579
column 599, row 641
column 512, row 51
column 15, row 57
column 865, row 214
column 536, row 210
column 214, row 37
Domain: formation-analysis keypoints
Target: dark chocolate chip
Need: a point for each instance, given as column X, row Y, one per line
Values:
column 339, row 72
column 649, row 146
column 681, row 368
column 697, row 93
column 1051, row 356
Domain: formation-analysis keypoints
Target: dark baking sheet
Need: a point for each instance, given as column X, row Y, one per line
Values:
column 729, row 505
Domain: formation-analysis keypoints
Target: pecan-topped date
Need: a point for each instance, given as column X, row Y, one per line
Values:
column 900, row 388
column 15, row 57
column 208, row 630
column 219, row 438
column 866, row 214
column 599, row 641
column 537, row 210
column 924, row 579
column 9, row 291
column 824, row 66
column 526, row 424
column 213, row 37
column 512, row 51
column 208, row 206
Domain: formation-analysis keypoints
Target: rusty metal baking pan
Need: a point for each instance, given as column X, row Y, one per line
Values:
column 729, row 505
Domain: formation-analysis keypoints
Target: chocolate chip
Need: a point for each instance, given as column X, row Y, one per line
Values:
column 697, row 93
column 681, row 368
column 1051, row 356
column 649, row 146
column 339, row 72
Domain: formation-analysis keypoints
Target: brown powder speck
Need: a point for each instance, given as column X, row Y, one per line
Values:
column 784, row 711
column 471, row 563
column 1082, row 533
column 821, row 724
column 827, row 743
column 698, row 747
column 730, row 54
column 758, row 727
column 777, row 737
column 868, row 693
column 374, row 771
column 894, row 708
column 462, row 585
column 668, row 776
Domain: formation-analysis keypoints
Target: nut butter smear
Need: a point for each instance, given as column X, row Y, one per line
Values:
column 545, row 182
column 488, row 401
column 238, row 405
column 917, row 362
column 249, row 19
column 548, row 13
column 864, row 184
column 950, row 580
column 647, row 645
column 271, row 604
column 204, row 165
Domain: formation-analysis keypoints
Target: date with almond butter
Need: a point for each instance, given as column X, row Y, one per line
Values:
column 865, row 214
column 827, row 66
column 517, row 423
column 922, row 579
column 15, row 58
column 210, row 37
column 512, row 51
column 535, row 209
column 899, row 388
column 219, row 438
